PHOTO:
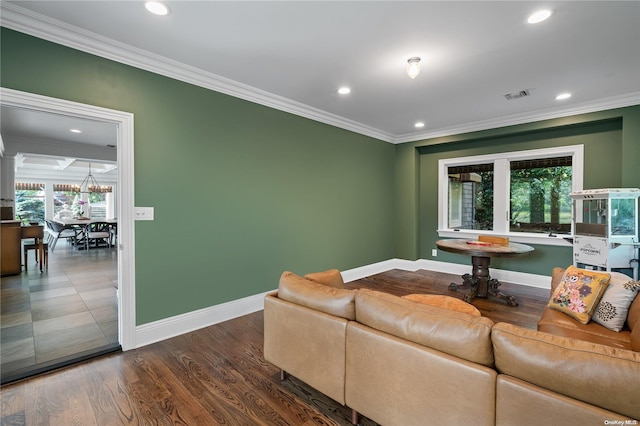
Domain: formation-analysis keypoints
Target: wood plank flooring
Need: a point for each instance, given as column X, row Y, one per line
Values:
column 216, row 375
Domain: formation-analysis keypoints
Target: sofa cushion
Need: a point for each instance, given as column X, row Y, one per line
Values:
column 330, row 300
column 446, row 302
column 559, row 324
column 579, row 292
column 332, row 278
column 612, row 310
column 599, row 375
column 633, row 317
column 455, row 333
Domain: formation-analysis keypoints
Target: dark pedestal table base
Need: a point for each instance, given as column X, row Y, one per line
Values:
column 480, row 284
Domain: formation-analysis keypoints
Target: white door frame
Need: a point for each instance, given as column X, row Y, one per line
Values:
column 126, row 225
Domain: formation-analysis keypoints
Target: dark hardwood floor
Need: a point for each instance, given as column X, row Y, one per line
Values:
column 216, row 375
column 531, row 300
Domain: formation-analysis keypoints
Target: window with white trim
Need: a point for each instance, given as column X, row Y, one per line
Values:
column 523, row 194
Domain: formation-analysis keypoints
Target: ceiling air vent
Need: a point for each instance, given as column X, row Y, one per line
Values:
column 517, row 95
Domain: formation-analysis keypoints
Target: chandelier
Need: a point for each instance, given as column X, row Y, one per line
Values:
column 91, row 185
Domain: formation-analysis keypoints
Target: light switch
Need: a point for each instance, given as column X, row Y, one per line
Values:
column 144, row 213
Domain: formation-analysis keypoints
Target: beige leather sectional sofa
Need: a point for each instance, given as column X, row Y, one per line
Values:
column 399, row 362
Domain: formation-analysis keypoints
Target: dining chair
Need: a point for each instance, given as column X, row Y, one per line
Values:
column 58, row 231
column 98, row 231
column 34, row 236
column 113, row 232
column 35, row 246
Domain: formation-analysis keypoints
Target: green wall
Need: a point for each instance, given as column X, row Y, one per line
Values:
column 241, row 191
column 612, row 153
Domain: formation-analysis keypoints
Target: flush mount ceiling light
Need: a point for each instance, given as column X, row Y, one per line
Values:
column 75, row 131
column 563, row 96
column 344, row 90
column 413, row 66
column 157, row 8
column 539, row 16
column 419, row 125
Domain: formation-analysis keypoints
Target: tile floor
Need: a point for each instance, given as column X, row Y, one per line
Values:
column 68, row 309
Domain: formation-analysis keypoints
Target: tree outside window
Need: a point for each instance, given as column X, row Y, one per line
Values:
column 30, row 205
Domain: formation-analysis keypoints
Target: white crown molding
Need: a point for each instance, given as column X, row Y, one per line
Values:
column 629, row 99
column 28, row 22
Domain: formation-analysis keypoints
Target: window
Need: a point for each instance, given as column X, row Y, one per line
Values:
column 30, row 202
column 524, row 194
column 64, row 195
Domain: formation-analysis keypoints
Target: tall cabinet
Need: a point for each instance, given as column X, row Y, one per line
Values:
column 10, row 254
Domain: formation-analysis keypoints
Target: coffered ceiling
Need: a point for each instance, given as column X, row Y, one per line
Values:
column 294, row 55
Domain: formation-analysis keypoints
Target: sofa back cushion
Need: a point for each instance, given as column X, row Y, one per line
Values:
column 330, row 300
column 633, row 316
column 596, row 374
column 331, row 277
column 455, row 333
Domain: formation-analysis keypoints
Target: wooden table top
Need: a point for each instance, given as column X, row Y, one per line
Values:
column 482, row 249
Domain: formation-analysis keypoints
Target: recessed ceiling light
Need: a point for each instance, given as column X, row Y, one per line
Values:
column 563, row 96
column 157, row 8
column 344, row 90
column 419, row 125
column 539, row 16
column 75, row 131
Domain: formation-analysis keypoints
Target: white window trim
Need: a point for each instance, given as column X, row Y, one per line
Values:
column 501, row 194
column 451, row 220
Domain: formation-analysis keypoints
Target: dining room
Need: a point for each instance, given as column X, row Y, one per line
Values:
column 59, row 304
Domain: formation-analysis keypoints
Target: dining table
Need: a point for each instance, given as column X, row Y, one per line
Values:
column 479, row 282
column 83, row 225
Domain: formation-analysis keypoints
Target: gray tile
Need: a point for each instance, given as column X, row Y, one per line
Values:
column 17, row 350
column 66, row 323
column 45, row 317
column 46, row 294
column 16, row 332
column 13, row 319
column 67, row 342
column 53, row 308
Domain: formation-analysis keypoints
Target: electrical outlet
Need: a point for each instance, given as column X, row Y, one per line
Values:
column 434, row 253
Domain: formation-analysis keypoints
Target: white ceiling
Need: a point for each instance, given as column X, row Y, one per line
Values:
column 295, row 55
column 37, row 168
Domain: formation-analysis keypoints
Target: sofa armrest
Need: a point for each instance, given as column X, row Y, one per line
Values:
column 306, row 343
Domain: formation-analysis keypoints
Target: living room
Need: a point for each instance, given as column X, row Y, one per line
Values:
column 243, row 191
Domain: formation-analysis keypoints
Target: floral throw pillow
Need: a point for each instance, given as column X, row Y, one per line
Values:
column 613, row 308
column 579, row 292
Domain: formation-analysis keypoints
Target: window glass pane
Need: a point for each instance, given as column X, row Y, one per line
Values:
column 539, row 195
column 98, row 204
column 622, row 220
column 30, row 205
column 471, row 196
column 63, row 201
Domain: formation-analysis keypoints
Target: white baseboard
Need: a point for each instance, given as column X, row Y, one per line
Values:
column 180, row 324
column 191, row 321
column 521, row 278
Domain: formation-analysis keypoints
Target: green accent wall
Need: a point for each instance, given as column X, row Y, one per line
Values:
column 611, row 142
column 241, row 192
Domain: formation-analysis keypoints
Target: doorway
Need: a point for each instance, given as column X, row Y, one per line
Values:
column 124, row 252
